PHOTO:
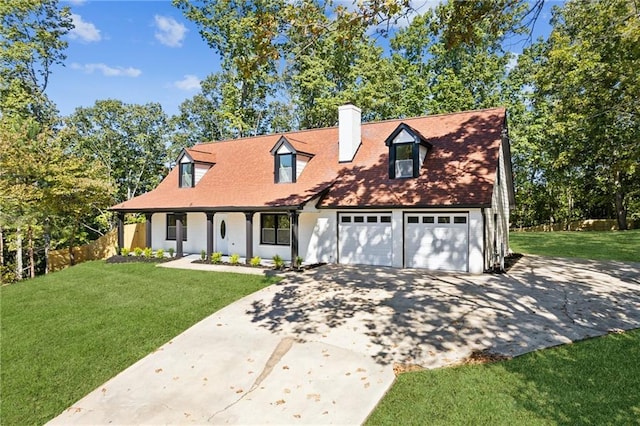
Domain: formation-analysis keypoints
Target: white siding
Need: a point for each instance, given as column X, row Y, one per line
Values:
column 196, row 233
column 497, row 218
column 301, row 163
column 200, row 170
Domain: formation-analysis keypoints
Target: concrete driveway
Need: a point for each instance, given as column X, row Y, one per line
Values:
column 320, row 347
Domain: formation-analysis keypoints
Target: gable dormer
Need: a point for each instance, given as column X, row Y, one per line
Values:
column 288, row 162
column 407, row 151
column 190, row 169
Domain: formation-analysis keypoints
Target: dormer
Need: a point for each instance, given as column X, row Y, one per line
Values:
column 407, row 151
column 190, row 169
column 288, row 161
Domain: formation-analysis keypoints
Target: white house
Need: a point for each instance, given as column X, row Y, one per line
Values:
column 429, row 192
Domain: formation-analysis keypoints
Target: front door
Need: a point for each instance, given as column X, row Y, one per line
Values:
column 222, row 234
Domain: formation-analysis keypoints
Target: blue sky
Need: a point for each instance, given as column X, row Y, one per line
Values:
column 139, row 52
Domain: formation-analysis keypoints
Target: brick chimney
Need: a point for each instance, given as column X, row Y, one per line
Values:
column 349, row 134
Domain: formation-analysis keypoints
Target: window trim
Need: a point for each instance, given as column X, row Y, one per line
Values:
column 276, row 222
column 180, row 173
column 167, row 226
column 277, row 167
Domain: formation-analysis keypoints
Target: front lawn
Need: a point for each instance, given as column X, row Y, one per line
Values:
column 608, row 245
column 66, row 333
column 590, row 382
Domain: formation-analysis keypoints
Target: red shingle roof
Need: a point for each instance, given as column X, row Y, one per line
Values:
column 458, row 171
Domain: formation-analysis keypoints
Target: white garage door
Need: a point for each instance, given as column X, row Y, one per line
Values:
column 436, row 241
column 365, row 238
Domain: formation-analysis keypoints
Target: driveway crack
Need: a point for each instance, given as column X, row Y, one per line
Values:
column 280, row 351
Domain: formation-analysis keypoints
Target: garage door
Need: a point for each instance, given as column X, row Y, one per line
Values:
column 365, row 239
column 436, row 241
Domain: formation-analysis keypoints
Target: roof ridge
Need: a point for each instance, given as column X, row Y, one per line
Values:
column 390, row 120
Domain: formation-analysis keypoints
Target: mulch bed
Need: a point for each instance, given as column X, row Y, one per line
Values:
column 484, row 357
column 136, row 259
column 284, row 269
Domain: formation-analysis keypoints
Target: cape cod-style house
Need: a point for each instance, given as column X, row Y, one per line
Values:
column 429, row 192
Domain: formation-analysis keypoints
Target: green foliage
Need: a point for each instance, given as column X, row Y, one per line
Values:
column 203, row 254
column 124, row 251
column 52, row 354
column 216, row 257
column 137, row 251
column 234, row 259
column 256, row 261
column 147, row 252
column 278, row 263
column 160, row 254
column 171, row 251
column 298, row 261
column 129, row 139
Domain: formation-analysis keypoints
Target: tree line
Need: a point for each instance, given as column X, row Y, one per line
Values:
column 573, row 101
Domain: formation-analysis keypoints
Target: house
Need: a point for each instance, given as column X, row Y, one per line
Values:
column 429, row 192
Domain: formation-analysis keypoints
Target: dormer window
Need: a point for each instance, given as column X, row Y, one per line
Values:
column 288, row 161
column 285, row 168
column 186, row 175
column 407, row 151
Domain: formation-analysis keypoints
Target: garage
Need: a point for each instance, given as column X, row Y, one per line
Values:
column 436, row 241
column 365, row 239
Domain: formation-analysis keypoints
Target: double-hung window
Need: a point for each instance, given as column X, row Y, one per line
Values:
column 172, row 227
column 275, row 229
column 285, row 168
column 186, row 175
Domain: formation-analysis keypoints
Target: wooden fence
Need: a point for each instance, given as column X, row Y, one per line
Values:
column 101, row 248
column 578, row 225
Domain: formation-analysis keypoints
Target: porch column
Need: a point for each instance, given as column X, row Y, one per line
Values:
column 179, row 230
column 147, row 230
column 209, row 234
column 249, row 236
column 120, row 231
column 293, row 222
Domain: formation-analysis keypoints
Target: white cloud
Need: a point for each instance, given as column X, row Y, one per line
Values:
column 84, row 31
column 170, row 32
column 189, row 82
column 106, row 70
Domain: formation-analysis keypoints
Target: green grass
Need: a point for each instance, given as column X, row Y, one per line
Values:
column 609, row 245
column 590, row 382
column 66, row 333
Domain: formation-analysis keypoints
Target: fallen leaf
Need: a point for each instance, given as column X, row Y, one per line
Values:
column 366, row 385
column 314, row 396
column 347, row 374
column 361, row 370
column 239, row 391
column 104, row 390
column 325, row 413
column 280, row 402
column 176, row 378
column 285, row 367
column 287, row 391
column 297, row 416
column 159, row 370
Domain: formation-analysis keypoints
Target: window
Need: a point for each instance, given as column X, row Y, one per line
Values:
column 444, row 219
column 275, row 229
column 403, row 160
column 372, row 219
column 345, row 219
column 285, row 168
column 385, row 219
column 358, row 219
column 427, row 219
column 186, row 175
column 412, row 219
column 172, row 228
column 459, row 219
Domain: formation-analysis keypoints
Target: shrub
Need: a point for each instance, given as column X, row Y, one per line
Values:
column 137, row 251
column 203, row 254
column 124, row 251
column 216, row 257
column 171, row 251
column 256, row 261
column 234, row 259
column 278, row 263
column 147, row 252
column 160, row 254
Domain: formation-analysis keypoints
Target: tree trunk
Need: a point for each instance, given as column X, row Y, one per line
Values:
column 621, row 210
column 32, row 262
column 1, row 247
column 18, row 254
column 47, row 244
column 72, row 239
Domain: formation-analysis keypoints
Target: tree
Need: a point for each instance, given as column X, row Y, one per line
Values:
column 129, row 140
column 595, row 47
column 31, row 43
